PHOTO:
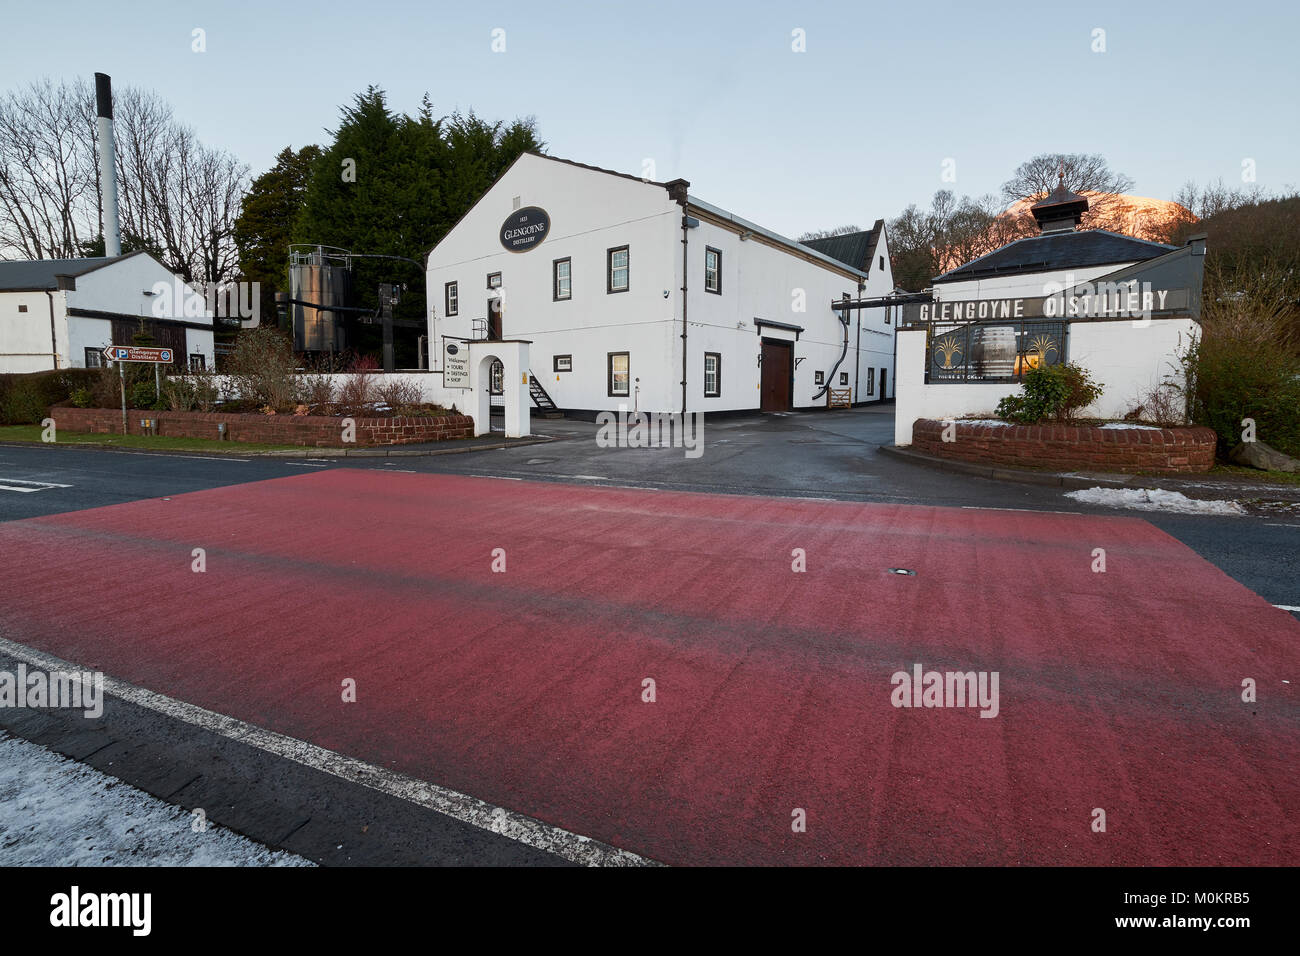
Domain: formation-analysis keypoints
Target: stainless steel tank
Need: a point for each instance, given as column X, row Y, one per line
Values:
column 321, row 276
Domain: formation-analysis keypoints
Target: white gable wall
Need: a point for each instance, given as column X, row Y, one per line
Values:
column 590, row 212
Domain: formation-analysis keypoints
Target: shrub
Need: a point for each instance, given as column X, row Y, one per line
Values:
column 24, row 402
column 1165, row 406
column 141, row 395
column 357, row 393
column 1051, row 393
column 261, row 368
column 398, row 394
column 316, row 389
column 1233, row 374
column 178, row 394
column 81, row 397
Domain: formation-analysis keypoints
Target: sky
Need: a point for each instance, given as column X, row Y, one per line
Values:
column 883, row 102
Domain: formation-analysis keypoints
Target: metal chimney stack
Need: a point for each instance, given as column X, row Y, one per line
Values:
column 108, row 164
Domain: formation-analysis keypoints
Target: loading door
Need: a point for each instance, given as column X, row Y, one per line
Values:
column 778, row 376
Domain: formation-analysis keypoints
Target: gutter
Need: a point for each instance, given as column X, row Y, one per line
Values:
column 54, row 336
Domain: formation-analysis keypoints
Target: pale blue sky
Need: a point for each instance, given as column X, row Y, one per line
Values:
column 853, row 129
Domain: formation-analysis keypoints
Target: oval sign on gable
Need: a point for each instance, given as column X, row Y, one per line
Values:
column 525, row 228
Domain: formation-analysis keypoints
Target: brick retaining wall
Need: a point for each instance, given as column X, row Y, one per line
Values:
column 317, row 431
column 1072, row 447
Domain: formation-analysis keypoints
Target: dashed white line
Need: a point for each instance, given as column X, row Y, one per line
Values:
column 1288, row 607
column 458, row 806
column 1028, row 511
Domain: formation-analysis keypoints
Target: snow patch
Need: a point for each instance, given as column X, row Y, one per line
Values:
column 1130, row 425
column 57, row 812
column 1154, row 499
column 982, row 421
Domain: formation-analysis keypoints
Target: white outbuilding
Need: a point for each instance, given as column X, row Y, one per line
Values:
column 637, row 294
column 62, row 313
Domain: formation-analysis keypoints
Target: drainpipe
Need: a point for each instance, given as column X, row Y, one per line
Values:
column 54, row 335
column 677, row 192
column 685, row 298
column 857, row 348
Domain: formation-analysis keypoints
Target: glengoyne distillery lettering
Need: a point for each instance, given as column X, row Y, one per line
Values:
column 525, row 228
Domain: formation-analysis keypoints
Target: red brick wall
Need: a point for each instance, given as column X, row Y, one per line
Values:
column 310, row 430
column 1072, row 447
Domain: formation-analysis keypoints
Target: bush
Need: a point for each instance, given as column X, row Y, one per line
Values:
column 1233, row 374
column 316, row 389
column 357, row 393
column 1164, row 406
column 261, row 369
column 24, row 402
column 1051, row 393
column 400, row 395
column 82, row 397
column 141, row 395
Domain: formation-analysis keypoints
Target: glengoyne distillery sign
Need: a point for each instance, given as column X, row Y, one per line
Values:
column 525, row 229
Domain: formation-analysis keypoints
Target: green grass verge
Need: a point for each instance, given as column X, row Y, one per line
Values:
column 32, row 433
column 1254, row 474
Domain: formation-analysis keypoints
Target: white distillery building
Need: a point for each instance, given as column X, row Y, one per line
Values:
column 1123, row 308
column 62, row 313
column 638, row 294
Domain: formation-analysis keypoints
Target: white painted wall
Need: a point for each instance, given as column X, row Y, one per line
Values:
column 26, row 343
column 1126, row 358
column 593, row 211
column 590, row 212
column 763, row 281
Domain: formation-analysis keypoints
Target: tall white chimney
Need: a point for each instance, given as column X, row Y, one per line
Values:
column 108, row 164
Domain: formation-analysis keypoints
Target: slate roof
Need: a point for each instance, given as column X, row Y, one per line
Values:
column 1054, row 251
column 39, row 274
column 854, row 249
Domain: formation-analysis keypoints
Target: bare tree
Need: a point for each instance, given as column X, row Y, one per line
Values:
column 828, row 233
column 176, row 196
column 47, row 171
column 1081, row 173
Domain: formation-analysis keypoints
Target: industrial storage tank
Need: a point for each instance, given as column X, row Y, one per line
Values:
column 319, row 277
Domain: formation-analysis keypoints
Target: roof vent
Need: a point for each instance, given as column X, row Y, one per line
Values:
column 1061, row 211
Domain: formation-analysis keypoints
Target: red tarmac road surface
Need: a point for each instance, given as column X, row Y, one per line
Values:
column 1118, row 690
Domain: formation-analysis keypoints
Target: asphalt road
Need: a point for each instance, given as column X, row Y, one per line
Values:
column 805, row 455
column 313, row 810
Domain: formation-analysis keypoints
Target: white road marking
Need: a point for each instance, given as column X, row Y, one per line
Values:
column 304, row 464
column 150, row 454
column 1028, row 511
column 458, row 806
column 498, row 477
column 588, row 477
column 1287, row 607
column 11, row 484
column 1275, row 525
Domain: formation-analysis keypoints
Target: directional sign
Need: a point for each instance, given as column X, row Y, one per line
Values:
column 134, row 353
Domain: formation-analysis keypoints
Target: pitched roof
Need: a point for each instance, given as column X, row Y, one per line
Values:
column 1053, row 251
column 40, row 274
column 854, row 249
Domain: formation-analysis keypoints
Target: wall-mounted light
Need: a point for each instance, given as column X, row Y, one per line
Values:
column 746, row 235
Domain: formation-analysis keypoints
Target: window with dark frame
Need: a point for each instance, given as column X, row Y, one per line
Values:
column 819, row 378
column 197, row 362
column 882, row 263
column 620, row 379
column 713, row 270
column 496, row 379
column 94, row 358
column 844, row 378
column 22, row 308
column 562, row 285
column 712, row 374
column 871, row 381
column 451, row 299
column 562, row 363
column 494, row 280
column 617, row 273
